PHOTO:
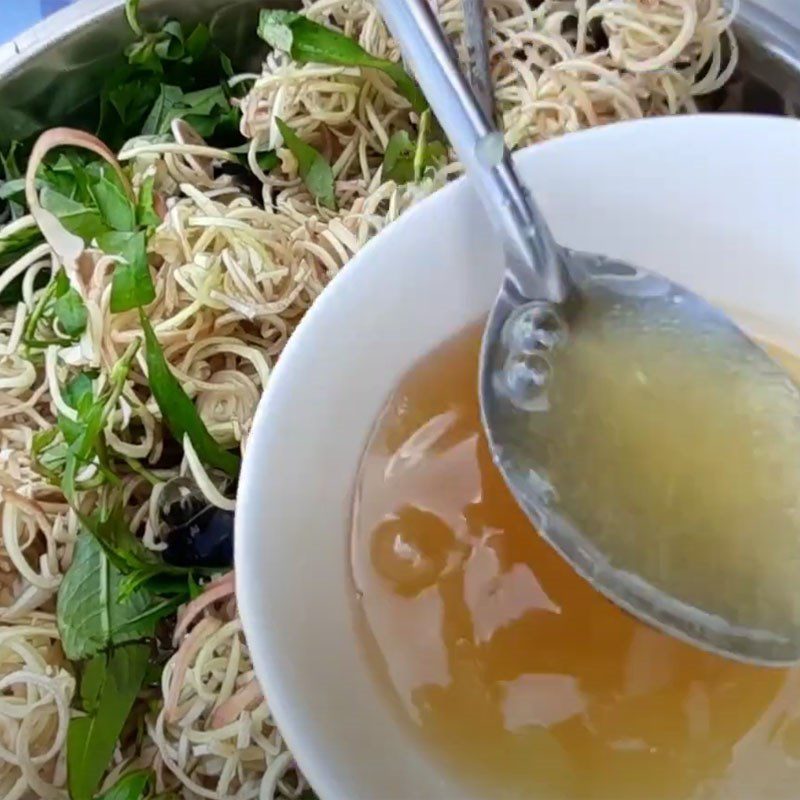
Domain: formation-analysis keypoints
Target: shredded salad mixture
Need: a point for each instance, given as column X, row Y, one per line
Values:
column 152, row 268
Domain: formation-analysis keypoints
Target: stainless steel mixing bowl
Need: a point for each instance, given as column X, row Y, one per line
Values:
column 53, row 69
column 49, row 72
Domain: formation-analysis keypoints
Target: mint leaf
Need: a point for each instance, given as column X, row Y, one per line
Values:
column 114, row 206
column 78, row 218
column 314, row 169
column 116, row 679
column 70, row 311
column 309, row 42
column 79, row 393
column 161, row 115
column 405, row 160
column 132, row 284
column 207, row 111
column 133, row 786
column 178, row 410
column 146, row 214
column 267, row 159
column 90, row 616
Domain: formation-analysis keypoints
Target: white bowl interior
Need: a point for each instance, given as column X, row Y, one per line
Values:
column 711, row 202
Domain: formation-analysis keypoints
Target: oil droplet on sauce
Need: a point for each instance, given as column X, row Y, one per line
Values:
column 516, row 675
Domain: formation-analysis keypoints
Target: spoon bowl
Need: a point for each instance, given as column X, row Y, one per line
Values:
column 610, row 394
column 567, row 425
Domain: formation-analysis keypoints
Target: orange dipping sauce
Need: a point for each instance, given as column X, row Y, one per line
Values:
column 513, row 672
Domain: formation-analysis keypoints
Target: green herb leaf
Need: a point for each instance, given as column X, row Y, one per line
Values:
column 69, row 308
column 169, row 43
column 14, row 190
column 198, row 43
column 79, row 392
column 314, row 169
column 91, row 617
column 16, row 245
column 115, row 207
column 307, row 41
column 133, row 786
column 161, row 115
column 70, row 311
column 398, row 159
column 267, row 159
column 85, row 436
column 169, row 56
column 132, row 15
column 93, row 675
column 132, row 284
column 146, row 214
column 208, row 111
column 78, row 218
column 97, row 208
column 141, row 567
column 177, row 408
column 48, row 455
column 405, row 161
column 117, row 679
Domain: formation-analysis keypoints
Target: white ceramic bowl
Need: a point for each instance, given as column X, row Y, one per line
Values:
column 712, row 202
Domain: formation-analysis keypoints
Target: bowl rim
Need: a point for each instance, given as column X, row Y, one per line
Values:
column 258, row 636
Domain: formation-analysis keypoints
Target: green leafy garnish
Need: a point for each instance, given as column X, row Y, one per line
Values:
column 132, row 16
column 84, row 435
column 177, row 408
column 115, row 207
column 307, row 41
column 60, row 453
column 315, row 171
column 161, row 115
column 132, row 285
column 142, row 568
column 405, row 160
column 133, row 786
column 110, row 685
column 70, row 311
column 267, row 159
column 184, row 59
column 91, row 616
column 146, row 215
column 80, row 218
column 208, row 111
column 58, row 303
column 90, row 201
column 79, row 392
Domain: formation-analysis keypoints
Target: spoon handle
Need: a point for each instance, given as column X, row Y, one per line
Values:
column 535, row 263
column 475, row 39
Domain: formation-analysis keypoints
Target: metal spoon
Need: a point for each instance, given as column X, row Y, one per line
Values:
column 723, row 597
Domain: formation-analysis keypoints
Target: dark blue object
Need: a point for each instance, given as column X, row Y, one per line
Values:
column 199, row 535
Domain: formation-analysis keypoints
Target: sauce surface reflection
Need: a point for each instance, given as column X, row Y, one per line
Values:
column 514, row 673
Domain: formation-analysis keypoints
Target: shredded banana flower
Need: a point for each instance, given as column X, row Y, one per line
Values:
column 214, row 731
column 234, row 273
column 35, row 695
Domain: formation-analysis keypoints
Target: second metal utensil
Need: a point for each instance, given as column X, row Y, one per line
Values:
column 547, row 294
